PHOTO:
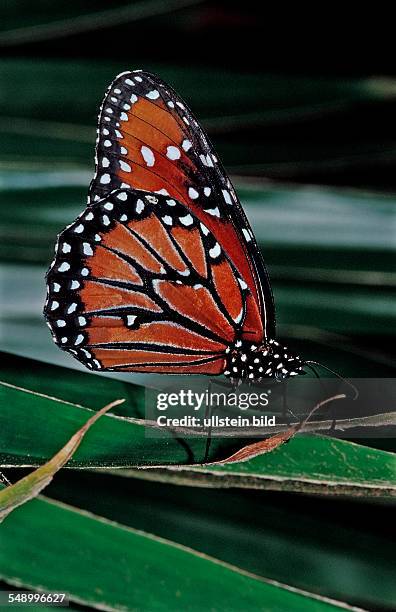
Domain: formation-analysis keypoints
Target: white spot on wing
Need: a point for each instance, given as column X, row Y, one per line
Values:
column 148, row 155
column 139, row 206
column 105, row 179
column 213, row 211
column 238, row 319
column 173, row 153
column 246, row 234
column 227, row 197
column 187, row 144
column 87, row 249
column 187, row 220
column 153, row 95
column 206, row 160
column 215, row 251
column 193, row 193
column 64, row 267
column 124, row 166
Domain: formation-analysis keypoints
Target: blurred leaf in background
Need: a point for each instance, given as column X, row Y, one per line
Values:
column 310, row 143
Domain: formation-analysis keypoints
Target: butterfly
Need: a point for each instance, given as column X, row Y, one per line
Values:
column 161, row 272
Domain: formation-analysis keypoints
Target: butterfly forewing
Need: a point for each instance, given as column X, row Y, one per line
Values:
column 148, row 139
column 140, row 283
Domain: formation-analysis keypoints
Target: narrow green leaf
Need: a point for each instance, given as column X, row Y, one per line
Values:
column 31, row 485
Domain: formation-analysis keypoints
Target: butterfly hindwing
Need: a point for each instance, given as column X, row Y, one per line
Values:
column 140, row 283
column 148, row 139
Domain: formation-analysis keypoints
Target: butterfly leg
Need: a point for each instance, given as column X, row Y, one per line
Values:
column 325, row 394
column 232, row 385
column 286, row 411
column 208, row 415
column 333, row 418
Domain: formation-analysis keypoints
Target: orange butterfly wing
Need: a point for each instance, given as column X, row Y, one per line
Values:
column 138, row 283
column 148, row 139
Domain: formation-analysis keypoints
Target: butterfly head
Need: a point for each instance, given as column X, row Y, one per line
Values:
column 249, row 361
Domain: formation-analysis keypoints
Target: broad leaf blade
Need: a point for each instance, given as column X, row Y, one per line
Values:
column 317, row 543
column 127, row 569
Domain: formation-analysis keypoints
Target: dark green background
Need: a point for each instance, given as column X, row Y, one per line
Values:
column 307, row 131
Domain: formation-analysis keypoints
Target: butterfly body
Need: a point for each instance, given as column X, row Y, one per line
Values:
column 247, row 361
column 161, row 272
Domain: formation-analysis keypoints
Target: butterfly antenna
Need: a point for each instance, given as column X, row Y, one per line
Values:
column 321, row 365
